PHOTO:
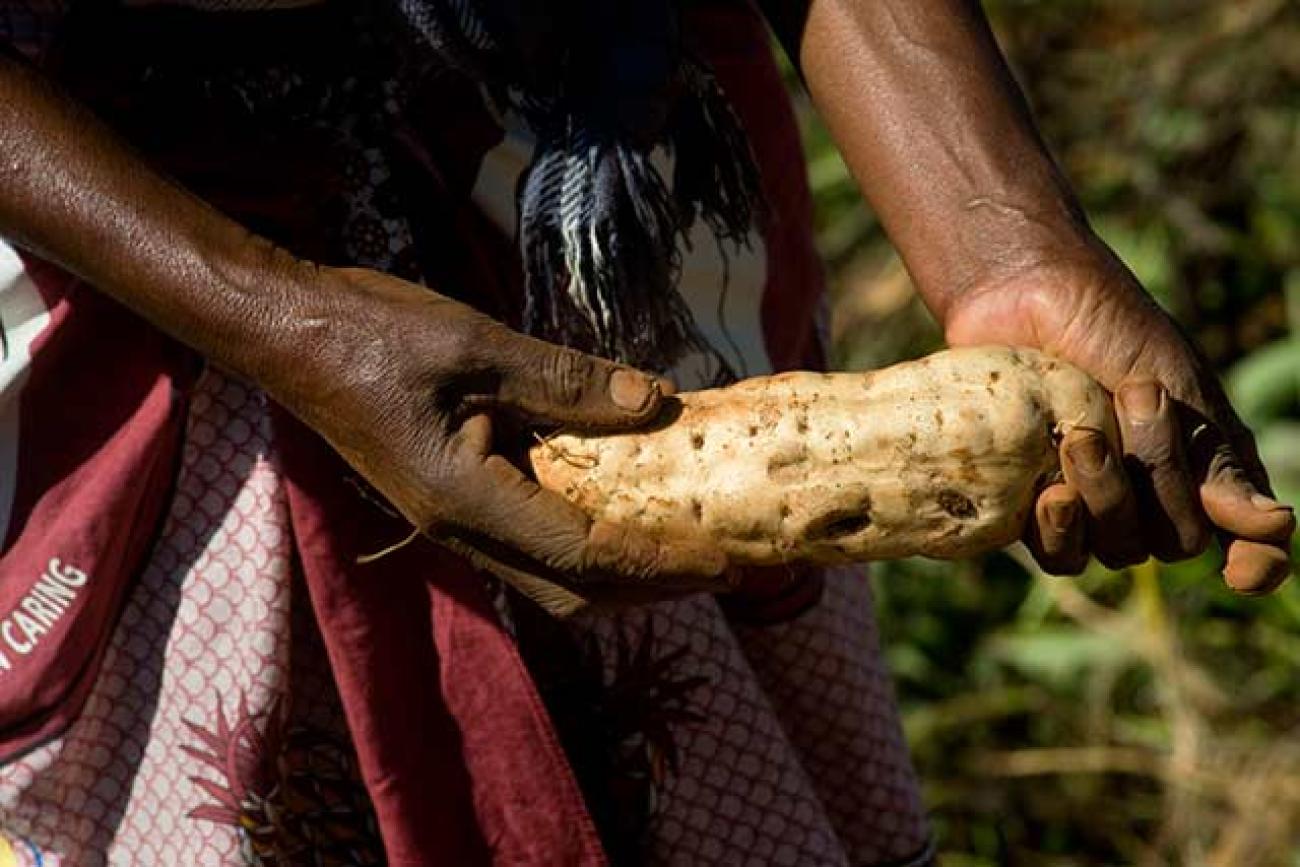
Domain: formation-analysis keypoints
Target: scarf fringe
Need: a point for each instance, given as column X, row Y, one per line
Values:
column 600, row 230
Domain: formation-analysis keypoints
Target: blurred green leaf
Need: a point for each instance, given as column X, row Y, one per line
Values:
column 1057, row 656
column 1265, row 386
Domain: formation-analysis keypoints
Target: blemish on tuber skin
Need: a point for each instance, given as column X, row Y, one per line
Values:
column 957, row 504
column 787, row 464
column 836, row 525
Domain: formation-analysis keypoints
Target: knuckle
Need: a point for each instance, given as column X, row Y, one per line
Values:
column 568, row 607
column 1151, row 450
column 449, row 468
column 574, row 556
column 439, row 530
column 464, row 346
column 1077, row 567
column 1236, row 431
column 1121, row 558
column 1061, row 565
column 1193, row 540
column 583, row 560
column 434, row 523
column 1108, row 495
column 1071, row 568
column 557, row 600
column 566, row 375
column 613, row 550
column 1177, row 551
column 1167, row 482
column 1212, row 453
column 1110, row 506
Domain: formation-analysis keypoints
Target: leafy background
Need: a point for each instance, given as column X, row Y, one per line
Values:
column 1143, row 717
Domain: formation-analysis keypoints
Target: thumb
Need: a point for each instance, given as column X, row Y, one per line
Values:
column 550, row 383
column 1255, row 529
column 1237, row 504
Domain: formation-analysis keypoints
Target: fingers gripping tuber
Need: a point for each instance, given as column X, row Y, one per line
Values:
column 940, row 457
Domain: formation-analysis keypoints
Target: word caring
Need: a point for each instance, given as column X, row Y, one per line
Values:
column 39, row 610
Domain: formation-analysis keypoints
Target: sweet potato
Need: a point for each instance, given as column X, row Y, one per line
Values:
column 940, row 457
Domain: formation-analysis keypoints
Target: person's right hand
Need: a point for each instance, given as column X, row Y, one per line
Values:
column 406, row 389
column 1185, row 467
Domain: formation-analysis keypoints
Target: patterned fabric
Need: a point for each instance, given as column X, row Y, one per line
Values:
column 214, row 732
column 208, row 635
column 761, row 756
column 823, row 677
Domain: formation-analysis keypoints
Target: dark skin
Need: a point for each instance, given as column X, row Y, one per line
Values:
column 405, row 384
column 927, row 116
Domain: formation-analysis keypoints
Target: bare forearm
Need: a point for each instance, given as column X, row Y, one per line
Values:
column 930, row 122
column 72, row 193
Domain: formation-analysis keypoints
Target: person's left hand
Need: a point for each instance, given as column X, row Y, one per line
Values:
column 1189, row 466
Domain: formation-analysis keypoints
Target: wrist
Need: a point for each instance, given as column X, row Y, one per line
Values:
column 1060, row 301
column 998, row 240
column 244, row 303
column 279, row 322
column 342, row 338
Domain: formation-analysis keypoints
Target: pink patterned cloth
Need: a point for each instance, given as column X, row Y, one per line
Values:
column 206, row 633
column 797, row 757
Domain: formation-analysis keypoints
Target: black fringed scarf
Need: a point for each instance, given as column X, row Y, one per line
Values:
column 600, row 83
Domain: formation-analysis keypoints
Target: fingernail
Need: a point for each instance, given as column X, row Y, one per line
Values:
column 1061, row 514
column 1088, row 453
column 1141, row 401
column 1266, row 503
column 630, row 390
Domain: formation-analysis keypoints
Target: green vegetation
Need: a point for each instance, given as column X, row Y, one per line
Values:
column 1145, row 717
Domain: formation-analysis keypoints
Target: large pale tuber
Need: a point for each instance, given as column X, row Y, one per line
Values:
column 940, row 457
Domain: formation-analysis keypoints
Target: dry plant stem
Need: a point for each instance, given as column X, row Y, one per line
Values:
column 940, row 457
column 1253, row 794
column 391, row 549
column 1219, row 782
column 1137, row 628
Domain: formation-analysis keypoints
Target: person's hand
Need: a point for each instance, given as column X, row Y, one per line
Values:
column 410, row 387
column 403, row 383
column 1189, row 466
